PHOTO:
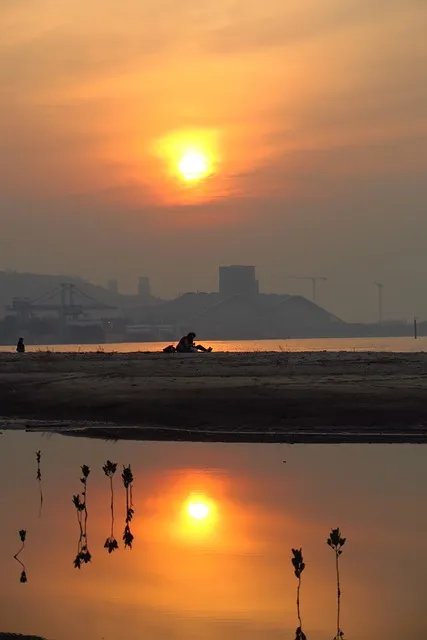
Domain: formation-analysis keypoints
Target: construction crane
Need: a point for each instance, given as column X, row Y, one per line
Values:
column 380, row 301
column 69, row 301
column 314, row 280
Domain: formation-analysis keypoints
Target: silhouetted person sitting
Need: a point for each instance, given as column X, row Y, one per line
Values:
column 186, row 345
column 20, row 347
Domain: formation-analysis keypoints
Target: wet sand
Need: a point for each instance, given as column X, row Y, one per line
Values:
column 263, row 397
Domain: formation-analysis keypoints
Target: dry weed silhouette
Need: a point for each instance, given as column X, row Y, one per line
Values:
column 110, row 469
column 22, row 537
column 83, row 555
column 299, row 566
column 127, row 478
column 336, row 542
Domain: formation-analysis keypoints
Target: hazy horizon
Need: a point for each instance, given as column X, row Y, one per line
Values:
column 312, row 118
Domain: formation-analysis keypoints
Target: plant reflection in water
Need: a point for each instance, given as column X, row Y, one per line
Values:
column 110, row 469
column 336, row 542
column 39, row 480
column 127, row 478
column 22, row 537
column 83, row 555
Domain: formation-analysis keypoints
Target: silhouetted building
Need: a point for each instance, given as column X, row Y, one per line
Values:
column 236, row 279
column 144, row 290
column 113, row 286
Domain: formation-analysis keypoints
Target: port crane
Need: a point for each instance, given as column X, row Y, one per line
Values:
column 67, row 300
column 380, row 301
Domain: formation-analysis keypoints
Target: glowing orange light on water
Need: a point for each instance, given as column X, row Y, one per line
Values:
column 199, row 517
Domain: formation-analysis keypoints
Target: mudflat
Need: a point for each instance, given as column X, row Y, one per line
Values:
column 280, row 397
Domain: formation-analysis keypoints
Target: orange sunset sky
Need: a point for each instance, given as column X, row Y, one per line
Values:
column 307, row 123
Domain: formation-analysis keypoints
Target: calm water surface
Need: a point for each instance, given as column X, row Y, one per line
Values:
column 318, row 344
column 227, row 575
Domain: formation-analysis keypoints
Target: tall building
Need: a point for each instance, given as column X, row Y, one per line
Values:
column 237, row 279
column 113, row 286
column 144, row 290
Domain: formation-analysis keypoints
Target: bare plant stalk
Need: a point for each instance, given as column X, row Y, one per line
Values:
column 85, row 549
column 336, row 542
column 110, row 469
column 337, row 566
column 112, row 506
column 22, row 536
column 85, row 502
column 127, row 478
column 80, row 503
column 39, row 480
column 299, row 566
column 79, row 520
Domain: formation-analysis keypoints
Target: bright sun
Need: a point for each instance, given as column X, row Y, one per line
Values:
column 193, row 165
column 198, row 510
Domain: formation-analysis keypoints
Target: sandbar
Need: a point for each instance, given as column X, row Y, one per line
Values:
column 293, row 397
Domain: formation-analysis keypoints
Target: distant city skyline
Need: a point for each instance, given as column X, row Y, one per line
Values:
column 142, row 285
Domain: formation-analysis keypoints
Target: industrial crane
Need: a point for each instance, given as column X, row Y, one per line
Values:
column 69, row 301
column 380, row 301
column 313, row 280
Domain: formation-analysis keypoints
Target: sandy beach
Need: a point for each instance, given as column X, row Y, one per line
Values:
column 277, row 397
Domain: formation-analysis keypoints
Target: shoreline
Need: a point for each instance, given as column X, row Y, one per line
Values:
column 308, row 397
column 114, row 432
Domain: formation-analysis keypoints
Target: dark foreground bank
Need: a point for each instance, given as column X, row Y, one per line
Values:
column 310, row 397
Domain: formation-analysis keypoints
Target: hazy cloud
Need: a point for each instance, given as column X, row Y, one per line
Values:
column 280, row 24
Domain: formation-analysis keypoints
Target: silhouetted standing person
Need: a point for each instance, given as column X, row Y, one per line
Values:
column 20, row 347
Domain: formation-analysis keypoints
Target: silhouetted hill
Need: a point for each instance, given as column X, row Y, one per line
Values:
column 247, row 316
